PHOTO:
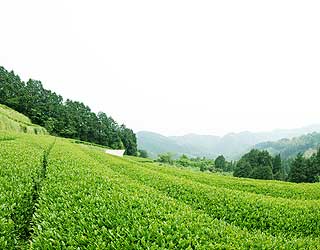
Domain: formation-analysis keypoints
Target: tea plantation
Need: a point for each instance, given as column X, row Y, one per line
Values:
column 57, row 194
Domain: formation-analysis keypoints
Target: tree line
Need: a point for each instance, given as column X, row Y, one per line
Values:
column 220, row 164
column 261, row 165
column 70, row 119
column 256, row 164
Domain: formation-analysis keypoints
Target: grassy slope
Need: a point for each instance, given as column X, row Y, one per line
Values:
column 92, row 199
column 304, row 191
column 56, row 194
column 11, row 120
column 21, row 157
column 89, row 199
column 269, row 214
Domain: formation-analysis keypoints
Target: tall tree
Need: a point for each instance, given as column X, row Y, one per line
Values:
column 70, row 119
column 142, row 153
column 242, row 169
column 255, row 164
column 220, row 162
column 129, row 140
column 277, row 167
column 298, row 169
column 313, row 168
column 262, row 172
column 165, row 158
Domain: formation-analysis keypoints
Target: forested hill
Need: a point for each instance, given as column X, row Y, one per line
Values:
column 66, row 118
column 232, row 145
column 288, row 148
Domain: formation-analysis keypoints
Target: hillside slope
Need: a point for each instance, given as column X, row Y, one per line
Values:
column 155, row 144
column 62, row 117
column 56, row 194
column 231, row 145
column 289, row 148
column 11, row 120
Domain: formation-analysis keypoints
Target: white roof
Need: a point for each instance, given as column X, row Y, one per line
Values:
column 117, row 152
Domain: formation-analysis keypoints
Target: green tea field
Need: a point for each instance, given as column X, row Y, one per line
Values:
column 57, row 194
column 159, row 125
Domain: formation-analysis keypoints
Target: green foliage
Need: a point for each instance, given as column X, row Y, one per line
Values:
column 289, row 148
column 129, row 140
column 220, row 162
column 231, row 145
column 20, row 168
column 243, row 169
column 305, row 191
column 251, row 211
column 298, row 169
column 69, row 119
column 261, row 165
column 277, row 170
column 89, row 144
column 255, row 164
column 165, row 158
column 200, row 163
column 305, row 170
column 262, row 172
column 14, row 115
column 78, row 197
column 11, row 120
column 142, row 153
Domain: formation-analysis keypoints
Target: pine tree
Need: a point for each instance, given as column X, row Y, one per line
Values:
column 298, row 169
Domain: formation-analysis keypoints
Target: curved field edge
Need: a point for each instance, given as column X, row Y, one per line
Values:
column 85, row 203
column 277, row 216
column 301, row 191
column 14, row 115
column 11, row 120
column 20, row 170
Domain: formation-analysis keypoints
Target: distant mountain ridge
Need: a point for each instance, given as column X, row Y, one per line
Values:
column 288, row 148
column 231, row 145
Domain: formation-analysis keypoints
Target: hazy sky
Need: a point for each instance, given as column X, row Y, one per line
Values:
column 173, row 67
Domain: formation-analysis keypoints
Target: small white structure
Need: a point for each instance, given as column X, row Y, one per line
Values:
column 117, row 152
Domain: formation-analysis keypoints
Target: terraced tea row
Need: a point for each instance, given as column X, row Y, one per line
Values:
column 303, row 191
column 11, row 120
column 79, row 197
column 277, row 216
column 20, row 165
column 86, row 204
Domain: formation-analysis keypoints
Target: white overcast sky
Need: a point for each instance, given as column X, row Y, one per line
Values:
column 174, row 67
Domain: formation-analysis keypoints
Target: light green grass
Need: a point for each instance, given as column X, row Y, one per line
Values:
column 14, row 115
column 20, row 162
column 92, row 200
column 11, row 120
column 138, row 159
column 86, row 199
column 274, row 188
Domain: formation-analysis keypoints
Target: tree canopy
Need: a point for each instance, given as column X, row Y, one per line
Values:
column 255, row 164
column 261, row 165
column 71, row 119
column 305, row 169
